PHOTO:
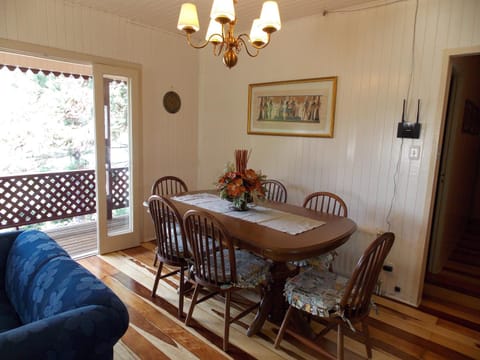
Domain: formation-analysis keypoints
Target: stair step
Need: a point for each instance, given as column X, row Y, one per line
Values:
column 470, row 241
column 457, row 282
column 466, row 256
column 462, row 268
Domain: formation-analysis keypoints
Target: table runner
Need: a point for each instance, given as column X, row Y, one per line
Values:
column 275, row 219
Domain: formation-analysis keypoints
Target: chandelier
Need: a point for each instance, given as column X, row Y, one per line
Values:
column 220, row 32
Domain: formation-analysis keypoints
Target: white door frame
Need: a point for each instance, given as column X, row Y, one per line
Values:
column 113, row 242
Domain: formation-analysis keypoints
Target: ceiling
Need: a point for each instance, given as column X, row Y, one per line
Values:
column 163, row 14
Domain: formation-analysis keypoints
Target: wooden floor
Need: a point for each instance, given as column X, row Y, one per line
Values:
column 80, row 240
column 438, row 330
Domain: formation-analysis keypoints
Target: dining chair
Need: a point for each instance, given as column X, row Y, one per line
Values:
column 219, row 267
column 172, row 249
column 339, row 301
column 325, row 202
column 167, row 185
column 275, row 190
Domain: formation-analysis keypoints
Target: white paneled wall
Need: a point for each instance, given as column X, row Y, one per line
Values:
column 169, row 141
column 370, row 52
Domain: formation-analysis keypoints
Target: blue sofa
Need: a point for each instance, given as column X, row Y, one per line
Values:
column 50, row 306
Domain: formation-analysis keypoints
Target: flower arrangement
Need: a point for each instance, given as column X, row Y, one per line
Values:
column 241, row 185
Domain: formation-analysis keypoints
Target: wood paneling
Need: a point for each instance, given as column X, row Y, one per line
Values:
column 371, row 53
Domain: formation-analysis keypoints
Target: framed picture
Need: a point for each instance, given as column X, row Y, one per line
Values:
column 293, row 108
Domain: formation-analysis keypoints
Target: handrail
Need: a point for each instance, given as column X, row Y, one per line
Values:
column 34, row 198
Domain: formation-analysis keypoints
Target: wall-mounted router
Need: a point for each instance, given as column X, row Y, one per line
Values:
column 409, row 130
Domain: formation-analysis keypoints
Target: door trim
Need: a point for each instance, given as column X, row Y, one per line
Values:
column 113, row 242
column 433, row 176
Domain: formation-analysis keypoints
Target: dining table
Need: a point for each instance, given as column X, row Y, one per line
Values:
column 279, row 232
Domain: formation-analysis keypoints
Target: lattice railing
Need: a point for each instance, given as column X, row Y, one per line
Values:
column 34, row 198
column 120, row 188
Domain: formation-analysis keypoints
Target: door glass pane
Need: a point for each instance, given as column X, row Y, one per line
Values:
column 117, row 158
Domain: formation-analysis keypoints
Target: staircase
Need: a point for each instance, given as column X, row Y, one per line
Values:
column 462, row 271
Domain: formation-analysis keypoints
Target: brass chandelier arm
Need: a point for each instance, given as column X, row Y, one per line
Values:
column 206, row 42
column 218, row 48
column 200, row 46
column 245, row 40
column 245, row 43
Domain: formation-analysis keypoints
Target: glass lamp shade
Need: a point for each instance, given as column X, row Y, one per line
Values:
column 214, row 32
column 270, row 17
column 223, row 11
column 188, row 18
column 258, row 37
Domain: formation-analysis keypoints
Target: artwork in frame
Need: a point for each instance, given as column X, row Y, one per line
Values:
column 293, row 108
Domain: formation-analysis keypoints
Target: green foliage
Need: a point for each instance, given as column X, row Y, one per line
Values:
column 47, row 122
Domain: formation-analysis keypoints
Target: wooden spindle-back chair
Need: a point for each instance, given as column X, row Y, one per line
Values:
column 219, row 267
column 169, row 185
column 275, row 190
column 340, row 307
column 326, row 202
column 172, row 248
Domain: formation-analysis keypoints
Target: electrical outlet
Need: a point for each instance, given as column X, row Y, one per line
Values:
column 388, row 267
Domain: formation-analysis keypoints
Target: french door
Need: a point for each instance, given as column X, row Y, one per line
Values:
column 118, row 161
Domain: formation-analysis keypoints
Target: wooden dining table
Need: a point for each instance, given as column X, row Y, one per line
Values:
column 280, row 247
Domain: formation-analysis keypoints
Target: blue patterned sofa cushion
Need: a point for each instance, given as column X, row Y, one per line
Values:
column 28, row 253
column 63, row 285
column 50, row 306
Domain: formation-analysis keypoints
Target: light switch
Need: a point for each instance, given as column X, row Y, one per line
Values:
column 414, row 153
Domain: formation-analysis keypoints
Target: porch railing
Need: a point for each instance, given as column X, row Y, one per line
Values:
column 35, row 198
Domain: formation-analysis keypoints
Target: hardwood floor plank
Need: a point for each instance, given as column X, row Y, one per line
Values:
column 469, row 319
column 140, row 255
column 144, row 293
column 140, row 345
column 444, row 295
column 97, row 266
column 398, row 331
column 409, row 334
column 148, row 319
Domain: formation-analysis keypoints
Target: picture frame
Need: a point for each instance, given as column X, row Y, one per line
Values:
column 293, row 108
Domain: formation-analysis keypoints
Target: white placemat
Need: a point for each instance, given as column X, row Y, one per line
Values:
column 275, row 219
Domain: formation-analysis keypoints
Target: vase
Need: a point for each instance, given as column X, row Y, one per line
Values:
column 239, row 205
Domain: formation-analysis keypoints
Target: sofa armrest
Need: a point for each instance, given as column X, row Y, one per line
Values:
column 89, row 332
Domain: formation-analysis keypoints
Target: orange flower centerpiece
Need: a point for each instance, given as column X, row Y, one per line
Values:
column 239, row 184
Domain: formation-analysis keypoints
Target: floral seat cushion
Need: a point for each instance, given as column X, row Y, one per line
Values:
column 251, row 269
column 171, row 247
column 316, row 292
column 320, row 262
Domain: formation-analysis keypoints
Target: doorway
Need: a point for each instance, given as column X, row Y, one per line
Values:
column 74, row 153
column 454, row 254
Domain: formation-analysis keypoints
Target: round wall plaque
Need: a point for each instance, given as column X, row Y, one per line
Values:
column 171, row 102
